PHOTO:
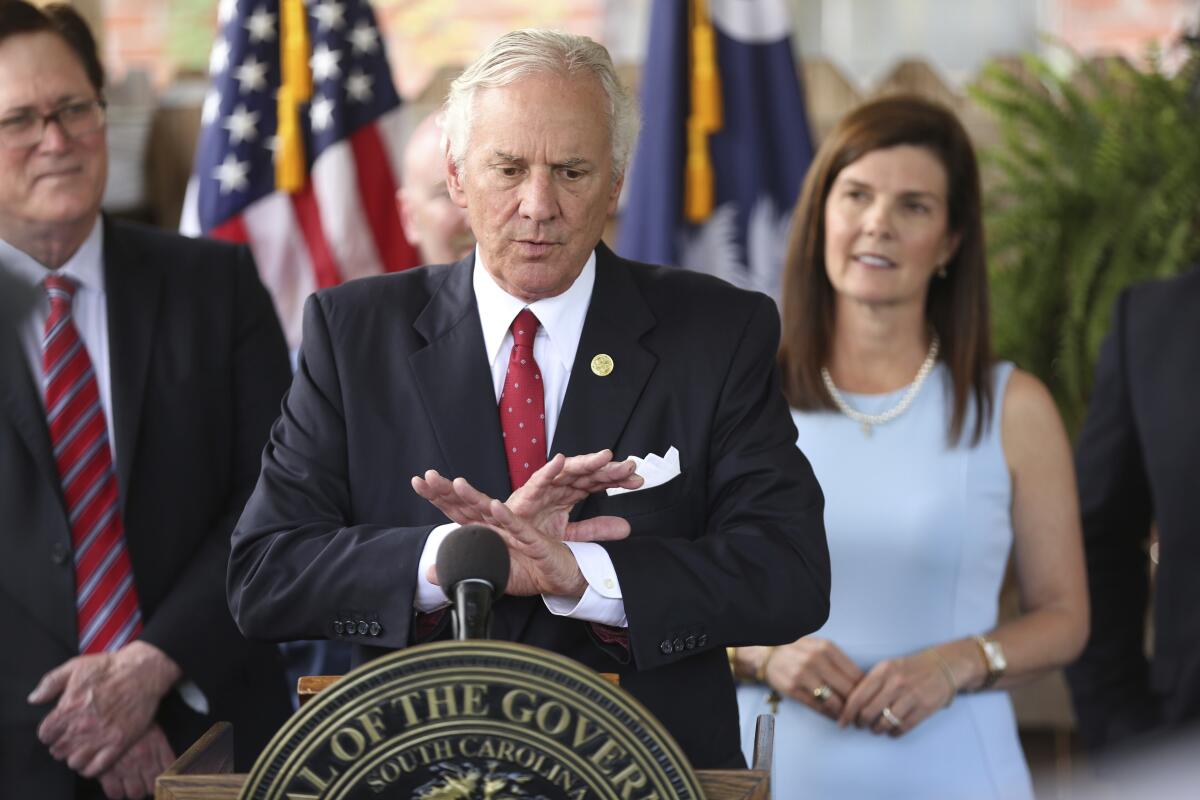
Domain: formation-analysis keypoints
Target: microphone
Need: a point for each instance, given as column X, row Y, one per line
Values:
column 472, row 568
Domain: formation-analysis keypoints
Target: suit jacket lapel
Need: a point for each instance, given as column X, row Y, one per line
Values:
column 44, row 588
column 23, row 404
column 133, row 289
column 455, row 382
column 597, row 407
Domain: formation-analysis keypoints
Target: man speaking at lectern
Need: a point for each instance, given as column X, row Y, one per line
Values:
column 466, row 371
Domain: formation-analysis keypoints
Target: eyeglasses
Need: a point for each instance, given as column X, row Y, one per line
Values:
column 76, row 120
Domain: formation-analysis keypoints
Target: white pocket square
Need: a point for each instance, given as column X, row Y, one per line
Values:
column 655, row 470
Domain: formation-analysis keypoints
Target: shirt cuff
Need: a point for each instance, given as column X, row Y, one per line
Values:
column 602, row 601
column 430, row 597
column 191, row 695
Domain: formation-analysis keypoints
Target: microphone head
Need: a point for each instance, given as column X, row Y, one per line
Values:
column 472, row 552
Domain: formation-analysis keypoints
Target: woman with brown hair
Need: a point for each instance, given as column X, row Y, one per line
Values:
column 935, row 460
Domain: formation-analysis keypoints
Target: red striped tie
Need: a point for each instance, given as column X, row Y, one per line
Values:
column 105, row 598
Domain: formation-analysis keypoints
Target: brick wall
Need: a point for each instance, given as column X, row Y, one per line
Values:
column 1124, row 27
column 426, row 35
column 163, row 38
column 136, row 37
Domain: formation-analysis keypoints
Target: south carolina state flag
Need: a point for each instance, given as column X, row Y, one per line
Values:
column 724, row 144
column 298, row 147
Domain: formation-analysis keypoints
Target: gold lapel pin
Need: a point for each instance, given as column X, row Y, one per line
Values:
column 602, row 364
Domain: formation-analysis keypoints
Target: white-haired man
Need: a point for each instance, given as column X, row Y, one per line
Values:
column 543, row 342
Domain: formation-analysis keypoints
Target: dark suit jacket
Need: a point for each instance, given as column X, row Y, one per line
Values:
column 1139, row 462
column 393, row 380
column 198, row 369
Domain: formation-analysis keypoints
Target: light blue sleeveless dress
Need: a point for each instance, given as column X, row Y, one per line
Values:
column 919, row 536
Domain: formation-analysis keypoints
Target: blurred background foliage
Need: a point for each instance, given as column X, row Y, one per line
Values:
column 1095, row 185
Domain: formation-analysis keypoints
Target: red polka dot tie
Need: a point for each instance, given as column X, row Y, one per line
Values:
column 523, row 405
column 106, row 601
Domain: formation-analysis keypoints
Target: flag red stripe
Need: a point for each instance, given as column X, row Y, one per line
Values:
column 377, row 188
column 308, row 215
column 231, row 230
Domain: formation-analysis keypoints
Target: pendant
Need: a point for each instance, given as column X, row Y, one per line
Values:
column 866, row 429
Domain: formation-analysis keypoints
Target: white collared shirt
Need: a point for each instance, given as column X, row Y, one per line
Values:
column 89, row 310
column 554, row 348
column 557, row 339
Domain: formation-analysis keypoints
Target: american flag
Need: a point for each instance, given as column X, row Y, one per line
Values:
column 299, row 148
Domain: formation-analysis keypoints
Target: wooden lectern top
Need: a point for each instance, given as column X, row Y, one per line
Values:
column 205, row 770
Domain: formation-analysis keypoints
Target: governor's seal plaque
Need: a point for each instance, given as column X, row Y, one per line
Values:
column 474, row 720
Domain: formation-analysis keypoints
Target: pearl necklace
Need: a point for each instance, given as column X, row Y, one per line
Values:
column 866, row 421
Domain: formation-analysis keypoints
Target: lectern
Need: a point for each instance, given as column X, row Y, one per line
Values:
column 465, row 720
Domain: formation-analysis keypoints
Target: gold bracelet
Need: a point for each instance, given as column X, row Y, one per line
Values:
column 731, row 654
column 948, row 673
column 760, row 674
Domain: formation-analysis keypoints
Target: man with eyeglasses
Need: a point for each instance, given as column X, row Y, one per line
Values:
column 77, row 119
column 137, row 386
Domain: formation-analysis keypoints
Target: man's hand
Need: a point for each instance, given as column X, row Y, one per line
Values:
column 548, row 496
column 552, row 490
column 134, row 773
column 105, row 702
column 534, row 520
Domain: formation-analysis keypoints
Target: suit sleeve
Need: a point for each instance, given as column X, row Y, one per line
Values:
column 192, row 624
column 297, row 565
column 1110, row 683
column 758, row 573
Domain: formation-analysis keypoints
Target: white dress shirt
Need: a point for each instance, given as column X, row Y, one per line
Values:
column 89, row 309
column 554, row 347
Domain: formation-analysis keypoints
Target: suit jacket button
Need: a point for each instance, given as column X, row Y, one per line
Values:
column 375, row 629
column 690, row 642
column 362, row 628
column 702, row 640
column 60, row 553
column 678, row 643
column 665, row 647
column 337, row 626
column 350, row 626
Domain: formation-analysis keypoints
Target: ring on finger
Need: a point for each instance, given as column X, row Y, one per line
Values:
column 822, row 693
column 890, row 717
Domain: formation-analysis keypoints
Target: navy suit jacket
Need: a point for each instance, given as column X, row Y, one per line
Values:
column 1138, row 461
column 198, row 368
column 393, row 380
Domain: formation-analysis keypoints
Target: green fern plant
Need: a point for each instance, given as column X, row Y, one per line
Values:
column 1095, row 184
